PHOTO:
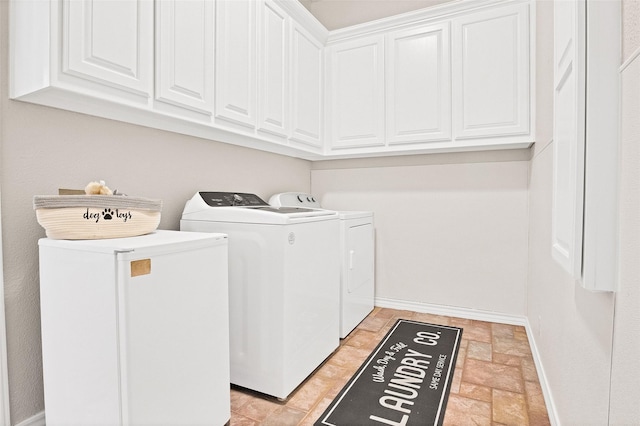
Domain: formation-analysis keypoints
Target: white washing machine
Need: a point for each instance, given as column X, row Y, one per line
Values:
column 284, row 285
column 357, row 258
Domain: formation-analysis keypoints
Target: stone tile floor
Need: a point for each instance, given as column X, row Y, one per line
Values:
column 495, row 381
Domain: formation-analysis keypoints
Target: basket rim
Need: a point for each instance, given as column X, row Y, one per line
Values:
column 96, row 201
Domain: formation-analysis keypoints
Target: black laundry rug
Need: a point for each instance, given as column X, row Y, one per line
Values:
column 405, row 381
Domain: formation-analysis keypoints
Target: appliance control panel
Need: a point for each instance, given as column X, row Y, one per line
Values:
column 294, row 199
column 229, row 199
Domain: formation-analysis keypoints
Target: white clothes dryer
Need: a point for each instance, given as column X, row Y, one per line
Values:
column 357, row 276
column 284, row 283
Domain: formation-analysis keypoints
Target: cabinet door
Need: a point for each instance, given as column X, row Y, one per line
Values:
column 110, row 42
column 184, row 65
column 356, row 93
column 491, row 73
column 418, row 80
column 306, row 88
column 273, row 70
column 236, row 61
column 173, row 327
column 568, row 135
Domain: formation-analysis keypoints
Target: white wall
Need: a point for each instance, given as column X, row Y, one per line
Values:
column 625, row 375
column 450, row 229
column 572, row 328
column 588, row 342
column 44, row 149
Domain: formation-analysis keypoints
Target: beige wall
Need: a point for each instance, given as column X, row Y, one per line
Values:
column 572, row 327
column 450, row 229
column 625, row 375
column 44, row 149
column 588, row 342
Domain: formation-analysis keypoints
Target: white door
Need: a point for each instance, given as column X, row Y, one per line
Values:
column 491, row 73
column 418, row 81
column 273, row 70
column 110, row 42
column 236, row 61
column 184, row 63
column 173, row 331
column 306, row 88
column 356, row 91
column 568, row 135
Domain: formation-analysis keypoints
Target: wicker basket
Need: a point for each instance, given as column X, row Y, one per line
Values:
column 91, row 217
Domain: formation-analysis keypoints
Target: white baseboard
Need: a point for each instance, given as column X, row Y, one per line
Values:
column 451, row 311
column 475, row 314
column 554, row 419
column 35, row 420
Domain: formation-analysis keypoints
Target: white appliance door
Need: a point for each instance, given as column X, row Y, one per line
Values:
column 78, row 302
column 173, row 313
column 358, row 285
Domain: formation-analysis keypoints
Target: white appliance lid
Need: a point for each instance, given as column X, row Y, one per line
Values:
column 247, row 208
column 307, row 200
column 158, row 240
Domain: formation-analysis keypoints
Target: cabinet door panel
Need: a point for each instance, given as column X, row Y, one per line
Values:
column 185, row 53
column 236, row 61
column 110, row 42
column 418, row 85
column 306, row 88
column 357, row 93
column 273, row 70
column 568, row 136
column 491, row 73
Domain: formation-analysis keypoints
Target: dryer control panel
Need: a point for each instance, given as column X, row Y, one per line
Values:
column 294, row 199
column 230, row 199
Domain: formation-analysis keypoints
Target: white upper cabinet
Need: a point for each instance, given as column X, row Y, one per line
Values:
column 418, row 85
column 184, row 62
column 266, row 74
column 306, row 88
column 109, row 42
column 447, row 82
column 63, row 53
column 491, row 73
column 236, row 61
column 356, row 93
column 273, row 69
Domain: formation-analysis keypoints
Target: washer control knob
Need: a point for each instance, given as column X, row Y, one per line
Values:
column 313, row 199
column 300, row 198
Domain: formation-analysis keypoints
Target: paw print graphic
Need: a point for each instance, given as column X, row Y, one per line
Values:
column 107, row 214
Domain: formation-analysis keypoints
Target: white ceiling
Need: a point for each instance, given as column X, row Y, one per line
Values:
column 335, row 14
